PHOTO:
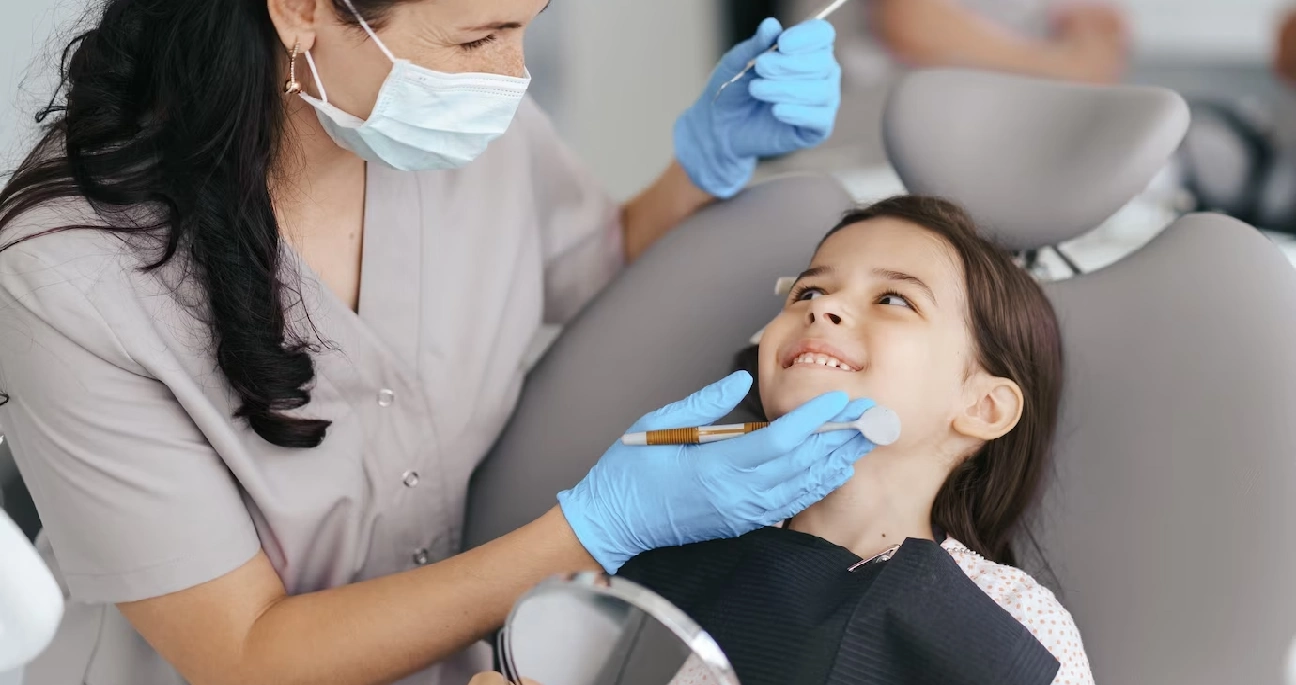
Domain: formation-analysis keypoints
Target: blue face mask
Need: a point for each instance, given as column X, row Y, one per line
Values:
column 423, row 120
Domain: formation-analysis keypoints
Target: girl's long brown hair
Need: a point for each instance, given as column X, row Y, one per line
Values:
column 1015, row 331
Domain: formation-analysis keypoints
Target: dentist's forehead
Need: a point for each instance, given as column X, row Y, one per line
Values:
column 479, row 15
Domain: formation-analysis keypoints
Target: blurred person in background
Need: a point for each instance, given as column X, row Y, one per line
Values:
column 1239, row 155
column 1284, row 58
column 1083, row 41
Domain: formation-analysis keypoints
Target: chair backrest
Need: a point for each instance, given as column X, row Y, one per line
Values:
column 1170, row 518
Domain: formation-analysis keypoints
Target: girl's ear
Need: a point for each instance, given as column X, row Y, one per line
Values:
column 994, row 406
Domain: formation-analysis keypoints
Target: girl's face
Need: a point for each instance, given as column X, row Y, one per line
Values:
column 881, row 313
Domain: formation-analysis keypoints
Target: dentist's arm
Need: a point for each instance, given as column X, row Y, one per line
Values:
column 655, row 211
column 244, row 629
column 789, row 102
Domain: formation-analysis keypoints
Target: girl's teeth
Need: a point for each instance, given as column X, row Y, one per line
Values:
column 822, row 361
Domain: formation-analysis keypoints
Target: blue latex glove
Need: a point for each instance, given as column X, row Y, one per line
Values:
column 787, row 103
column 641, row 498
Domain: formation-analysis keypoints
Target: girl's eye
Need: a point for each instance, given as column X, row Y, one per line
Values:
column 479, row 43
column 806, row 293
column 895, row 299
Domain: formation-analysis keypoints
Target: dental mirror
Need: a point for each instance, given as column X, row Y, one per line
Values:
column 592, row 629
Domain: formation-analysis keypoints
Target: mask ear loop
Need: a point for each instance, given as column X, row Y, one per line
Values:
column 319, row 85
column 365, row 25
column 369, row 30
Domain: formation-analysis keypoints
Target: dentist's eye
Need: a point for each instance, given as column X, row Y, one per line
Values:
column 802, row 293
column 483, row 42
column 895, row 299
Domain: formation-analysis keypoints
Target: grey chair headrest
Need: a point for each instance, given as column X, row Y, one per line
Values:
column 1035, row 162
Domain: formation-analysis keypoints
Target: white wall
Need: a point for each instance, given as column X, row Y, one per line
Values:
column 29, row 51
column 627, row 69
column 1224, row 29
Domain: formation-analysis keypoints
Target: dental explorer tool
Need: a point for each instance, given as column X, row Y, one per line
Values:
column 879, row 425
column 823, row 14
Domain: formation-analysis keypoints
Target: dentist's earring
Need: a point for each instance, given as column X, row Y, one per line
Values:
column 293, row 86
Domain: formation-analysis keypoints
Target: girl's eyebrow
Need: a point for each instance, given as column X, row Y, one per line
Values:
column 885, row 274
column 893, row 275
column 813, row 272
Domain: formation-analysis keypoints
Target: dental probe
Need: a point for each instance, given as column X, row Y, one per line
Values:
column 823, row 14
column 879, row 425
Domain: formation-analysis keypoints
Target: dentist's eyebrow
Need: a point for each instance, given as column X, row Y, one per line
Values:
column 502, row 26
column 893, row 275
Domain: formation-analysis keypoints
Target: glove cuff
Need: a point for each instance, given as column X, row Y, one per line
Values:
column 708, row 167
column 591, row 536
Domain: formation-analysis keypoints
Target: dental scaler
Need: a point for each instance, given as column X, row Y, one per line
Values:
column 879, row 425
column 823, row 14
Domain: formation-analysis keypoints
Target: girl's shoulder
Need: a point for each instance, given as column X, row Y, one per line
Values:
column 1033, row 605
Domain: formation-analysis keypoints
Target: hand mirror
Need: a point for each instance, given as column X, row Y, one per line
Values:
column 592, row 629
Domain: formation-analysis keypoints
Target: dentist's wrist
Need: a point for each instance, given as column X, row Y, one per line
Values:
column 672, row 198
column 589, row 533
column 567, row 543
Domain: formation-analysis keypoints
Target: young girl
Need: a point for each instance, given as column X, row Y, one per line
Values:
column 906, row 305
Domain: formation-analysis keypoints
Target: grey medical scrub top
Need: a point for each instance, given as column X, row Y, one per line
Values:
column 122, row 426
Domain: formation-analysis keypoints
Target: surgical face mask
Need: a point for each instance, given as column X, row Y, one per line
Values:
column 424, row 120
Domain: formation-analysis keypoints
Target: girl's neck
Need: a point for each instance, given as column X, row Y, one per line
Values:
column 888, row 500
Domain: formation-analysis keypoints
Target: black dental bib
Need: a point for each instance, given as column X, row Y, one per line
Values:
column 787, row 610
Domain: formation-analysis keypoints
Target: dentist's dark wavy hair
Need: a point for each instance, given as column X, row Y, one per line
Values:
column 178, row 106
column 1015, row 333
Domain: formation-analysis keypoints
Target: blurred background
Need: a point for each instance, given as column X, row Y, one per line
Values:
column 614, row 74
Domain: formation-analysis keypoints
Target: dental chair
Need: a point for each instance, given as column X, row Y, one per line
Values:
column 15, row 500
column 1169, row 520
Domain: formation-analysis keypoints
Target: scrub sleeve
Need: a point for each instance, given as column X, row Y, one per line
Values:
column 121, row 422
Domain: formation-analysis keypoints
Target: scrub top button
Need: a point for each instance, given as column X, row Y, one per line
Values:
column 410, row 479
column 386, row 397
column 420, row 557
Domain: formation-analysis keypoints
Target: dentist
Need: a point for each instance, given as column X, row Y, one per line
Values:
column 266, row 285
